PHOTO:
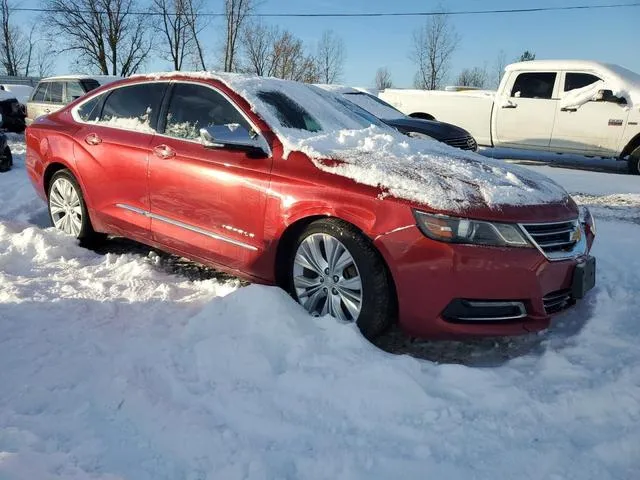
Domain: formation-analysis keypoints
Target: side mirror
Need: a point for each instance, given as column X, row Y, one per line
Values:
column 603, row 96
column 232, row 135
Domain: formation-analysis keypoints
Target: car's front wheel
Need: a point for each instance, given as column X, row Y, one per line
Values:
column 634, row 162
column 334, row 270
column 67, row 208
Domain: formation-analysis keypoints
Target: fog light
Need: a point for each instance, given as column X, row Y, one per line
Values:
column 461, row 310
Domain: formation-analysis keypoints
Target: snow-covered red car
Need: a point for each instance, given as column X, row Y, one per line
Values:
column 280, row 183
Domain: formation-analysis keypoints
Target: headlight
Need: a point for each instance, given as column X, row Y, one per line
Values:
column 587, row 220
column 475, row 232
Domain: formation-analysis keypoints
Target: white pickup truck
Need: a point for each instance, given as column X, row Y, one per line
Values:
column 562, row 106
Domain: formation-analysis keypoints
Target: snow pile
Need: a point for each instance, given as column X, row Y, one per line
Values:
column 113, row 369
column 418, row 170
column 135, row 124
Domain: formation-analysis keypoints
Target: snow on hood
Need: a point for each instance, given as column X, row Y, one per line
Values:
column 418, row 170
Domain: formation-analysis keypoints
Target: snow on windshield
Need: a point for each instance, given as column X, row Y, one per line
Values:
column 374, row 105
column 418, row 170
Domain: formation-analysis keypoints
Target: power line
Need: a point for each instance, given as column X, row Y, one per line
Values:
column 370, row 14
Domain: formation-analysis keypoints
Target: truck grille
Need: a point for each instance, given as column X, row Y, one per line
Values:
column 556, row 301
column 554, row 237
column 463, row 143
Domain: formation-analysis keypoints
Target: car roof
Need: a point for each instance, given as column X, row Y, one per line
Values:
column 101, row 79
column 539, row 65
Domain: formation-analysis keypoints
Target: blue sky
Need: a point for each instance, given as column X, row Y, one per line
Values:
column 607, row 35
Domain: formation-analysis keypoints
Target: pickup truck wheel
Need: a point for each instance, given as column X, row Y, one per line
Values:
column 634, row 162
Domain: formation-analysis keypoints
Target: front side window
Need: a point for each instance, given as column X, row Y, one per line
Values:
column 534, row 85
column 54, row 93
column 133, row 107
column 289, row 113
column 89, row 84
column 74, row 90
column 38, row 95
column 89, row 111
column 573, row 81
column 193, row 107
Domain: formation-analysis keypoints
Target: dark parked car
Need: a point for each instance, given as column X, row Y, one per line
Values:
column 440, row 131
column 6, row 159
column 13, row 115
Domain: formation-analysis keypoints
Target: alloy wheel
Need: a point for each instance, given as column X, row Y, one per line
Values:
column 326, row 278
column 65, row 207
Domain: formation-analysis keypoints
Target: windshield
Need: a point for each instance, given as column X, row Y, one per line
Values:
column 374, row 105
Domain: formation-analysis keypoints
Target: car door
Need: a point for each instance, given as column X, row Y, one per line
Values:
column 207, row 202
column 112, row 150
column 524, row 115
column 594, row 128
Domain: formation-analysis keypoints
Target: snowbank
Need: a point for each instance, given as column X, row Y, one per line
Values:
column 419, row 170
column 113, row 369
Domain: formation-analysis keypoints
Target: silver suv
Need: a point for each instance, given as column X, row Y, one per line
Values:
column 53, row 93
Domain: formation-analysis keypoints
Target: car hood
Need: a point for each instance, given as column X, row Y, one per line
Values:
column 432, row 128
column 430, row 174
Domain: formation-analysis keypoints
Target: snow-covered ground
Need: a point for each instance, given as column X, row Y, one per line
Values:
column 118, row 366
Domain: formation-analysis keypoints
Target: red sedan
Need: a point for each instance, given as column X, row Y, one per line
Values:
column 282, row 183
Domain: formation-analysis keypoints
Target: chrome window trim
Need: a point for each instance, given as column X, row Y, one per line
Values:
column 186, row 226
column 76, row 117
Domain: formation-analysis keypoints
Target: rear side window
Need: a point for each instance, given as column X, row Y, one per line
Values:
column 578, row 80
column 41, row 90
column 74, row 90
column 534, row 85
column 133, row 107
column 289, row 113
column 54, row 93
column 193, row 107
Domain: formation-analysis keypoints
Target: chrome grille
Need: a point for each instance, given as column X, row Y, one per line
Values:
column 554, row 237
column 556, row 301
column 463, row 143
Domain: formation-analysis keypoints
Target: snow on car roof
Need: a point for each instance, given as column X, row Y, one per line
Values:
column 418, row 170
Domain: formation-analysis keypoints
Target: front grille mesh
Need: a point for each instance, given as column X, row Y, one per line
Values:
column 554, row 237
column 464, row 143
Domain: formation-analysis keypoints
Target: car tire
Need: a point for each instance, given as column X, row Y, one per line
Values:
column 6, row 159
column 633, row 162
column 328, row 284
column 67, row 209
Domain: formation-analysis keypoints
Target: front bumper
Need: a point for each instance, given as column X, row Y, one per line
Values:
column 430, row 275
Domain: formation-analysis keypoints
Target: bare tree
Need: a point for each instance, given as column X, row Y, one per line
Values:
column 103, row 33
column 16, row 48
column 270, row 52
column 236, row 13
column 472, row 77
column 174, row 27
column 383, row 79
column 500, row 64
column 258, row 41
column 197, row 23
column 330, row 57
column 433, row 46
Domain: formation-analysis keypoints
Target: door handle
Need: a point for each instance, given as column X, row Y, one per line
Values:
column 164, row 151
column 47, row 110
column 510, row 105
column 93, row 139
column 566, row 109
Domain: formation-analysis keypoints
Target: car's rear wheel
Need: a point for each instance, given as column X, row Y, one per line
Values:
column 334, row 270
column 634, row 162
column 6, row 159
column 67, row 208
